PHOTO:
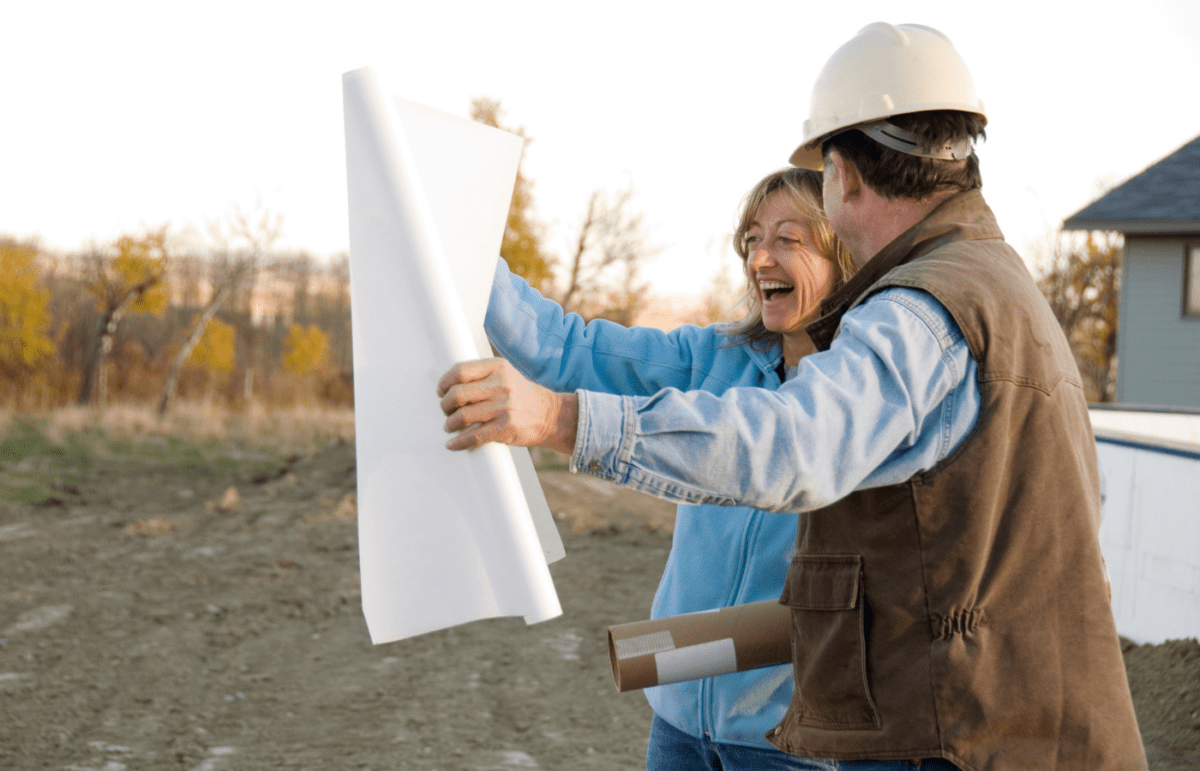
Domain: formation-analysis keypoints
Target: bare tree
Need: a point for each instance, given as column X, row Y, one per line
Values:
column 240, row 247
column 329, row 308
column 299, row 269
column 603, row 278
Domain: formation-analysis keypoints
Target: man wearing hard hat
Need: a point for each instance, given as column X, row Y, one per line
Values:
column 972, row 596
column 948, row 593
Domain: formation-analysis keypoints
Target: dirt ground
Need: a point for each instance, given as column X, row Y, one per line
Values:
column 152, row 619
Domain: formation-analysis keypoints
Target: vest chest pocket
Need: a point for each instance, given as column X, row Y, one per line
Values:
column 829, row 651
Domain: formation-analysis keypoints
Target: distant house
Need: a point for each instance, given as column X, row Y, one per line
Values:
column 1158, row 343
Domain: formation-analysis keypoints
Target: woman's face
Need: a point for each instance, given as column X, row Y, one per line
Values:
column 787, row 271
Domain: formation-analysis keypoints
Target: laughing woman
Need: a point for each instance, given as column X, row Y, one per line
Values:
column 723, row 555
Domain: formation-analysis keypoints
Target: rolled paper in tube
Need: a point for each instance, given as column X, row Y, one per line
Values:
column 695, row 645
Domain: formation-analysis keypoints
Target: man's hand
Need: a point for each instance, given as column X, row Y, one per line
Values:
column 499, row 405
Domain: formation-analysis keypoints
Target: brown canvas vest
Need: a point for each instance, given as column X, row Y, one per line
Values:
column 964, row 614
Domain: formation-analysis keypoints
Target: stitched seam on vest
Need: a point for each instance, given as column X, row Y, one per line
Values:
column 958, row 622
column 916, row 509
column 889, row 281
column 986, row 406
column 916, row 512
column 1046, row 388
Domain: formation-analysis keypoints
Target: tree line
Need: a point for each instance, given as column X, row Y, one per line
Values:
column 145, row 320
column 142, row 320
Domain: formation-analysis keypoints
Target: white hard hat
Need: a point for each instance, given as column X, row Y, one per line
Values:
column 882, row 71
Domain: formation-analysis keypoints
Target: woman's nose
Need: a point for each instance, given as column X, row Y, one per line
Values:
column 760, row 258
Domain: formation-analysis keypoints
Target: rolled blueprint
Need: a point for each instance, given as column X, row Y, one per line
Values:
column 695, row 645
column 444, row 538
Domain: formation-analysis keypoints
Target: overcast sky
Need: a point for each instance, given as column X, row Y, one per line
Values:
column 121, row 115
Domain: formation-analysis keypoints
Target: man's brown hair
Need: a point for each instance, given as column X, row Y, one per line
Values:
column 893, row 174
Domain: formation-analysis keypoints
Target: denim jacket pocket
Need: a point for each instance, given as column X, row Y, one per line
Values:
column 829, row 649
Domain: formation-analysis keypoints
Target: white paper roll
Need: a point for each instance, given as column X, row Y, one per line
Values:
column 444, row 538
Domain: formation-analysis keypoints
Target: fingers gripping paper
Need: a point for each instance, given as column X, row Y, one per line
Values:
column 444, row 538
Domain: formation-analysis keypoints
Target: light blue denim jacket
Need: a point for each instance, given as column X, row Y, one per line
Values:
column 687, row 416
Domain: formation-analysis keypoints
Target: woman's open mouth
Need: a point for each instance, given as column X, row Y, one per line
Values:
column 772, row 289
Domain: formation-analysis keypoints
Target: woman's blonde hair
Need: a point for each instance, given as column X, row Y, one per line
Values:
column 802, row 188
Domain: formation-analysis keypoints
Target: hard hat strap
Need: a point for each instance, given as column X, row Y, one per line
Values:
column 903, row 141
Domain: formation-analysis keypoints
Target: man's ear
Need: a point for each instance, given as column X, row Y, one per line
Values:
column 848, row 180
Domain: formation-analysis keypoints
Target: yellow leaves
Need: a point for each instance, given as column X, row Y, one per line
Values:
column 136, row 268
column 521, row 246
column 305, row 349
column 216, row 348
column 23, row 313
column 143, row 262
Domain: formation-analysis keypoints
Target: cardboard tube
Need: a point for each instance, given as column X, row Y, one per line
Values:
column 695, row 645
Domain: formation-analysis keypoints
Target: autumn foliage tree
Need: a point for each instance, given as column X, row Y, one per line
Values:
column 24, row 317
column 214, row 352
column 216, row 348
column 1082, row 283
column 127, row 278
column 522, row 244
column 305, row 349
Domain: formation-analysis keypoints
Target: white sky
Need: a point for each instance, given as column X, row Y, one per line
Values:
column 119, row 115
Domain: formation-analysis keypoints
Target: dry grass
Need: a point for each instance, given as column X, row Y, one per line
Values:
column 295, row 429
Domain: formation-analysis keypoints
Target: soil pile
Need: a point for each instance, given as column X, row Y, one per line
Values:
column 1165, row 683
column 179, row 606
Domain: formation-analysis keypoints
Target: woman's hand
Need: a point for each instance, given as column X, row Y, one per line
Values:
column 495, row 403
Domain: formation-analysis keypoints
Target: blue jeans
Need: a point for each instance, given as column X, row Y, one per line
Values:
column 673, row 750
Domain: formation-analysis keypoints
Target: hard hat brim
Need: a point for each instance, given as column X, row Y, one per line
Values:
column 808, row 156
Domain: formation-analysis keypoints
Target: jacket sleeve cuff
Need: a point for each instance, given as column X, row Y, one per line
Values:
column 604, row 437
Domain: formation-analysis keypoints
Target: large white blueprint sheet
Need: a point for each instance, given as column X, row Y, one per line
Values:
column 444, row 537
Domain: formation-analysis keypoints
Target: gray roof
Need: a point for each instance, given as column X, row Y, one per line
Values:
column 1164, row 198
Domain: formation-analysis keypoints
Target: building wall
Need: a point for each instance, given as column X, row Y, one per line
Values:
column 1149, row 529
column 1158, row 347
